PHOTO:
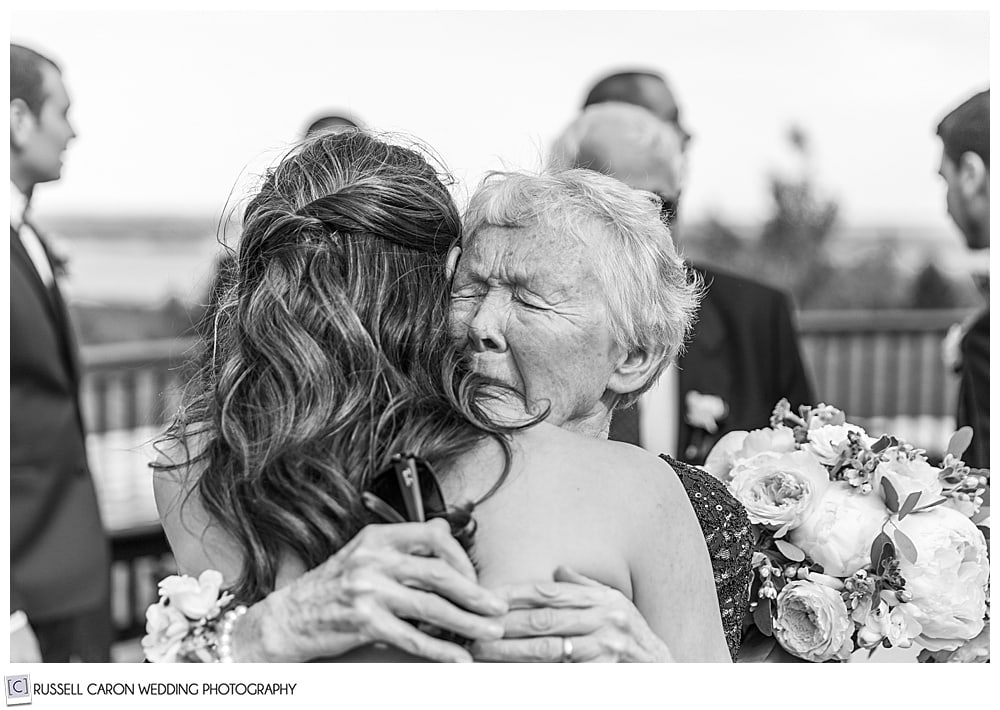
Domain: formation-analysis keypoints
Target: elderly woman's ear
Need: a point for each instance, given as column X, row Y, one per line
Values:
column 452, row 262
column 635, row 368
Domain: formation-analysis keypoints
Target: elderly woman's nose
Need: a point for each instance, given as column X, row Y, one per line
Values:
column 486, row 329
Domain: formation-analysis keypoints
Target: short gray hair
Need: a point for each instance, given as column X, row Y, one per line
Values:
column 585, row 142
column 651, row 294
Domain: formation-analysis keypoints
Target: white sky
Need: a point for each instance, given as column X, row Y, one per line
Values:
column 172, row 107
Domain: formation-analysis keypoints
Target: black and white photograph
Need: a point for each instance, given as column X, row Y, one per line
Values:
column 622, row 336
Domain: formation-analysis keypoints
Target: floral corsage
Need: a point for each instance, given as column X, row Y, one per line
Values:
column 191, row 623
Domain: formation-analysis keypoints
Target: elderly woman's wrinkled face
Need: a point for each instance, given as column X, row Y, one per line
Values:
column 528, row 307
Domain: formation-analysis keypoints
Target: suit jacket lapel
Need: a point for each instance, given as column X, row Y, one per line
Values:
column 705, row 367
column 20, row 255
column 52, row 298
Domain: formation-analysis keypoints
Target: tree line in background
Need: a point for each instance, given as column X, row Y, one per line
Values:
column 792, row 251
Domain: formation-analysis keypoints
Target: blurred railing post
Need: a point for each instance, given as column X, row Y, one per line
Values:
column 129, row 392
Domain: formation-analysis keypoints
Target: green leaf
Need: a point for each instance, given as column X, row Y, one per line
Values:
column 790, row 551
column 882, row 444
column 906, row 547
column 882, row 548
column 909, row 504
column 891, row 497
column 960, row 441
column 762, row 617
column 756, row 647
column 936, row 503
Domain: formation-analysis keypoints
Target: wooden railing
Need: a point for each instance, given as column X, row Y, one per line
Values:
column 880, row 363
column 129, row 391
column 133, row 385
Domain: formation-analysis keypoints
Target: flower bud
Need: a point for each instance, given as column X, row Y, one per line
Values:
column 791, row 571
column 866, row 488
column 765, row 572
column 861, row 575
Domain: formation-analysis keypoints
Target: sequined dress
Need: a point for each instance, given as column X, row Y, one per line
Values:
column 726, row 528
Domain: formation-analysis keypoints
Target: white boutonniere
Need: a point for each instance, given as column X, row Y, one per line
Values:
column 705, row 411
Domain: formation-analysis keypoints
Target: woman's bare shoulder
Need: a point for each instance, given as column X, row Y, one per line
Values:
column 573, row 500
column 609, row 470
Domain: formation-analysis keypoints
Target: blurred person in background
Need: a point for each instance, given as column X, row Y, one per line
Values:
column 329, row 121
column 743, row 355
column 59, row 556
column 965, row 168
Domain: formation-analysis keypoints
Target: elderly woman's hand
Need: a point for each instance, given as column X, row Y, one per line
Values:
column 362, row 595
column 573, row 619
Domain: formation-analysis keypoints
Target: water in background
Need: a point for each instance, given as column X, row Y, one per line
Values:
column 141, row 261
column 148, row 260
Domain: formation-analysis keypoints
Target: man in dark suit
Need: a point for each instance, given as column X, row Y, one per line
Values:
column 965, row 168
column 743, row 355
column 59, row 556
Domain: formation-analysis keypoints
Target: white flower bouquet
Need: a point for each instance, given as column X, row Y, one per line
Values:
column 859, row 542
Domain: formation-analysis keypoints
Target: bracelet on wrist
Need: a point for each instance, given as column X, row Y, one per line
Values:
column 225, row 643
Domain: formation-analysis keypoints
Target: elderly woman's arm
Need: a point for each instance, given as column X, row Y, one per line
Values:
column 359, row 596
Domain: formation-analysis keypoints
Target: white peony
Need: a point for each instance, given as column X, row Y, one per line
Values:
column 840, row 531
column 779, row 490
column 949, row 580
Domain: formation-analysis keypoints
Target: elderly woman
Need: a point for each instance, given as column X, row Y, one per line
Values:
column 329, row 354
column 574, row 300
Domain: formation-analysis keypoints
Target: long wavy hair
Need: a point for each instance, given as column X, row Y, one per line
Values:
column 327, row 351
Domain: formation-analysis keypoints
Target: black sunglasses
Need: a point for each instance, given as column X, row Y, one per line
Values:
column 407, row 491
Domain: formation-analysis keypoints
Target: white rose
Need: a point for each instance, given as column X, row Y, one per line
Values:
column 779, row 490
column 166, row 628
column 840, row 531
column 812, row 622
column 826, row 442
column 949, row 580
column 195, row 598
column 908, row 477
